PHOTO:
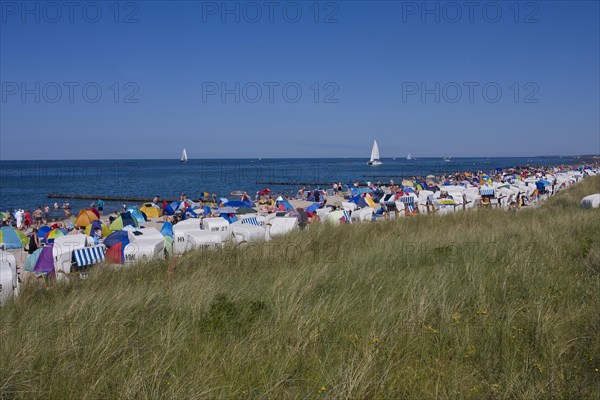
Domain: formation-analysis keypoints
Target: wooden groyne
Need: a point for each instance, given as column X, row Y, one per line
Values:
column 105, row 198
column 293, row 183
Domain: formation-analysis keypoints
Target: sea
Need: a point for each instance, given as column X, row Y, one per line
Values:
column 26, row 184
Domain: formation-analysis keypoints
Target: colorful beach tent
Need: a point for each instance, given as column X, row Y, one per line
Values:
column 282, row 201
column 12, row 238
column 97, row 225
column 167, row 229
column 123, row 220
column 40, row 260
column 85, row 217
column 313, row 207
column 151, row 210
column 42, row 232
column 55, row 233
column 139, row 216
column 116, row 243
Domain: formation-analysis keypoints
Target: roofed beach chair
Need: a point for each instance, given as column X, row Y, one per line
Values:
column 88, row 256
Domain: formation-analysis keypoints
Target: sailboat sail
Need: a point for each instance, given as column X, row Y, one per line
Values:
column 184, row 156
column 375, row 151
column 375, row 155
column 409, row 156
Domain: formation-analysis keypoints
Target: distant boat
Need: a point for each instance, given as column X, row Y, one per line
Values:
column 410, row 157
column 447, row 159
column 184, row 157
column 374, row 155
column 259, row 158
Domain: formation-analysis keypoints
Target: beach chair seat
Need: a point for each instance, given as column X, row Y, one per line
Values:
column 218, row 225
column 9, row 280
column 281, row 225
column 62, row 252
column 247, row 232
column 364, row 214
column 349, row 206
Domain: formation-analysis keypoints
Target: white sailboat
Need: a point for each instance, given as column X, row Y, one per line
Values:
column 184, row 157
column 447, row 159
column 375, row 155
column 409, row 157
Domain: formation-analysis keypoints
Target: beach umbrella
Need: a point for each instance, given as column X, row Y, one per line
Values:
column 96, row 212
column 3, row 216
column 246, row 210
column 55, row 233
column 227, row 210
column 123, row 220
column 408, row 189
column 85, row 217
column 235, row 203
column 446, row 202
column 264, row 192
column 40, row 260
column 12, row 238
column 430, row 177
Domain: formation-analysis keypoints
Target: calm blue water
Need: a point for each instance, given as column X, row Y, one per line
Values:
column 26, row 183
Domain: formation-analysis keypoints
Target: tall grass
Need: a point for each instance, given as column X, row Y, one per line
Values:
column 485, row 304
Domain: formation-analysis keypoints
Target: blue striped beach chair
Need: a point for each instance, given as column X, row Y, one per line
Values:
column 251, row 221
column 347, row 216
column 88, row 256
column 409, row 204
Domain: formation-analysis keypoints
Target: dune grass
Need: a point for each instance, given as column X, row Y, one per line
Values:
column 483, row 304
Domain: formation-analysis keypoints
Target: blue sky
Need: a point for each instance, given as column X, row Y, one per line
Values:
column 187, row 74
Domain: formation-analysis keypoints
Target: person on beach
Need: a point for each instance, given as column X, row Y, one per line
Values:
column 317, row 196
column 301, row 192
column 34, row 241
column 182, row 197
column 19, row 218
column 302, row 219
column 335, row 188
column 100, row 206
column 155, row 199
column 123, row 207
column 38, row 215
column 315, row 219
column 56, row 205
column 27, row 219
column 46, row 211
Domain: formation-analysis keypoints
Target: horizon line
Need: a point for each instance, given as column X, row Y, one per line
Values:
column 304, row 158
